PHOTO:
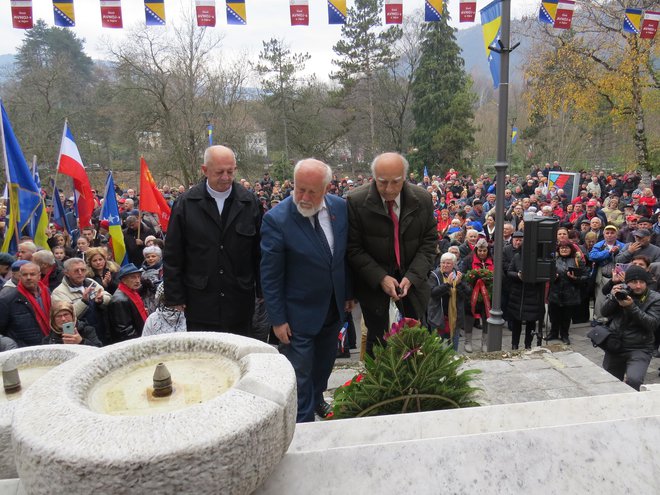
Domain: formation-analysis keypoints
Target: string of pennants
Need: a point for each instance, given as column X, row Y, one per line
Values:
column 558, row 13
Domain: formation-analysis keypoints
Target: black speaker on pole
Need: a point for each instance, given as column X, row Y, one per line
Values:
column 538, row 250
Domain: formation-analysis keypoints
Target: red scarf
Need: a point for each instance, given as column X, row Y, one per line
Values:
column 478, row 264
column 40, row 313
column 135, row 299
column 46, row 278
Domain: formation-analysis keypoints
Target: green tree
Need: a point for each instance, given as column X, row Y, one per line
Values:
column 53, row 81
column 443, row 101
column 364, row 50
column 278, row 68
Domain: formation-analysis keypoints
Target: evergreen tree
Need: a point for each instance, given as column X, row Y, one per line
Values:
column 443, row 101
column 363, row 51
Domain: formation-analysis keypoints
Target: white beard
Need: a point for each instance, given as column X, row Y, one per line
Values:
column 307, row 212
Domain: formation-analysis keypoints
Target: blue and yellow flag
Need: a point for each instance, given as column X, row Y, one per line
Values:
column 154, row 11
column 24, row 195
column 491, row 23
column 236, row 13
column 514, row 135
column 39, row 222
column 336, row 11
column 64, row 14
column 548, row 11
column 632, row 21
column 433, row 10
column 110, row 212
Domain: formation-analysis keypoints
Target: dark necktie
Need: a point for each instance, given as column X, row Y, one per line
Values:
column 395, row 220
column 322, row 237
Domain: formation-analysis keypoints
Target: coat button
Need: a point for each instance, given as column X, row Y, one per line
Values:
column 221, row 272
column 222, row 294
column 221, row 247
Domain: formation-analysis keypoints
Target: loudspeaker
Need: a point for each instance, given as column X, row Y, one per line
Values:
column 538, row 250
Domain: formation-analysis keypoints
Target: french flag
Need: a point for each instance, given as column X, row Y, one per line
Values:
column 71, row 164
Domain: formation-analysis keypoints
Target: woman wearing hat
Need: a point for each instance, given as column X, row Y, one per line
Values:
column 126, row 309
column 61, row 312
column 152, row 276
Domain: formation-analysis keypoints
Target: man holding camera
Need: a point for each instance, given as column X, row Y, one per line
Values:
column 633, row 312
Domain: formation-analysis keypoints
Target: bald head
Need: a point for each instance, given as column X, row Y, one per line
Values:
column 219, row 167
column 389, row 171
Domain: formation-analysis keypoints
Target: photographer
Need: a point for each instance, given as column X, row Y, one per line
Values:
column 633, row 313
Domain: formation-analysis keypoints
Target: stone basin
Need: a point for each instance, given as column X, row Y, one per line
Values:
column 227, row 440
column 32, row 363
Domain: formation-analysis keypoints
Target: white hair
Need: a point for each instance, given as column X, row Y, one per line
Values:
column 448, row 257
column 328, row 171
column 406, row 165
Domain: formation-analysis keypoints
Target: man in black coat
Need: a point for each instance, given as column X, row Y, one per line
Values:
column 211, row 257
column 126, row 309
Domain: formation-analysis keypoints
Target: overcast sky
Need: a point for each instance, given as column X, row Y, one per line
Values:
column 265, row 19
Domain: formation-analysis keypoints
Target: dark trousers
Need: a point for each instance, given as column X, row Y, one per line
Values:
column 312, row 356
column 631, row 364
column 560, row 319
column 516, row 329
column 377, row 322
column 245, row 330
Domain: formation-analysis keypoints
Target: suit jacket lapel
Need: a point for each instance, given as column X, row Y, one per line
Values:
column 211, row 208
column 306, row 226
column 409, row 205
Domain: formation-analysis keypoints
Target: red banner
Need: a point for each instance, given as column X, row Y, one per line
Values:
column 480, row 290
column 393, row 11
column 468, row 11
column 299, row 10
column 151, row 199
column 205, row 10
column 111, row 14
column 649, row 25
column 564, row 14
column 21, row 14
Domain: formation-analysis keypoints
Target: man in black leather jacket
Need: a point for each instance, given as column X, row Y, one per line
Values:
column 634, row 320
column 126, row 310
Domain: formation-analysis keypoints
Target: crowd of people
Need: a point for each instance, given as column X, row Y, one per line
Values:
column 285, row 261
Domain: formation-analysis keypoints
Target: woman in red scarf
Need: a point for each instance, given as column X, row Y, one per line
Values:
column 444, row 222
column 126, row 308
column 479, row 259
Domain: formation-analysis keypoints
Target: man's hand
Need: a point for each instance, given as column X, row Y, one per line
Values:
column 179, row 307
column 283, row 332
column 634, row 247
column 390, row 286
column 139, row 242
column 86, row 293
column 624, row 303
column 99, row 295
column 349, row 305
column 405, row 286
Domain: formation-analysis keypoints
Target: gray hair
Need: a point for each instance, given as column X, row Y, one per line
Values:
column 29, row 245
column 448, row 257
column 208, row 151
column 406, row 165
column 72, row 261
column 328, row 171
column 481, row 243
column 44, row 256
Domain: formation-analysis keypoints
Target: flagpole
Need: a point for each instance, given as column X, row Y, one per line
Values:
column 503, row 47
column 139, row 188
column 57, row 166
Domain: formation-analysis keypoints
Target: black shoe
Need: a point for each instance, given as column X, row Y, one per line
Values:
column 552, row 336
column 344, row 355
column 514, row 347
column 324, row 410
column 566, row 340
column 656, row 353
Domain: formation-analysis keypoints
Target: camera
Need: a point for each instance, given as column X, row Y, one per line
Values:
column 623, row 293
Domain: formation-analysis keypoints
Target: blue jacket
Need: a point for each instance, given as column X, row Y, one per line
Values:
column 298, row 279
column 601, row 254
column 17, row 319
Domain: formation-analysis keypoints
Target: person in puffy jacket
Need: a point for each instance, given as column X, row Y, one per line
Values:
column 633, row 319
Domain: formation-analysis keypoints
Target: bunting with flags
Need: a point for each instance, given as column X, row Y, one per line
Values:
column 468, row 11
column 336, row 11
column 110, row 212
column 299, row 12
column 433, row 10
column 393, row 11
column 205, row 10
column 64, row 14
column 111, row 14
column 491, row 23
column 70, row 163
column 548, row 11
column 564, row 14
column 24, row 195
column 650, row 24
column 426, row 171
column 21, row 14
column 632, row 21
column 151, row 199
column 154, row 11
column 236, row 13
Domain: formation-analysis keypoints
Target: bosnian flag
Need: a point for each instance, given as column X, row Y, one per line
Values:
column 70, row 163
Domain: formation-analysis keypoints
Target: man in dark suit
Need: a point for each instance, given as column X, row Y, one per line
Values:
column 391, row 244
column 211, row 256
column 304, row 280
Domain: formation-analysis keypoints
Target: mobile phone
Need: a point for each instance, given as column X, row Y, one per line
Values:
column 621, row 267
column 69, row 328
